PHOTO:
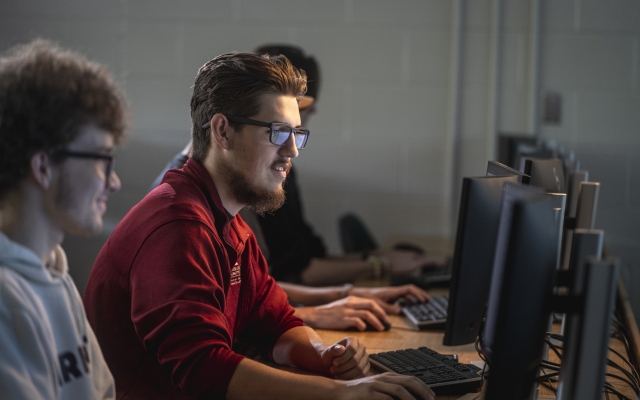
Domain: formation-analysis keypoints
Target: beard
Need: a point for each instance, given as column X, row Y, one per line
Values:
column 255, row 198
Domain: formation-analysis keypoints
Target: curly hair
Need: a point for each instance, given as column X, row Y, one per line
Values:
column 232, row 84
column 46, row 95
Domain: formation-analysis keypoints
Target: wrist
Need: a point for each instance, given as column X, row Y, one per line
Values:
column 306, row 314
column 345, row 290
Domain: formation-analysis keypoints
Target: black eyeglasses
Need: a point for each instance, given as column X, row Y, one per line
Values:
column 110, row 160
column 279, row 132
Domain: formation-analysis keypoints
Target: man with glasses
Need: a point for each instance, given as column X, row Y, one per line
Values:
column 182, row 278
column 60, row 118
column 294, row 250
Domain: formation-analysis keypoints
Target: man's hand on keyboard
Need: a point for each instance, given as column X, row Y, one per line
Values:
column 348, row 312
column 386, row 296
column 383, row 385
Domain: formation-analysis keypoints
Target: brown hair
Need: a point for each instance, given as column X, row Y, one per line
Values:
column 299, row 60
column 46, row 95
column 231, row 84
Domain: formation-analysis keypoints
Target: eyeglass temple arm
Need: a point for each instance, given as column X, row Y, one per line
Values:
column 241, row 120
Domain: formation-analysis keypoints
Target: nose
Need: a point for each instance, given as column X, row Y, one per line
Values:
column 289, row 149
column 113, row 182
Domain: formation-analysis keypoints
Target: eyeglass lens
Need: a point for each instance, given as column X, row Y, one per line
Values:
column 280, row 134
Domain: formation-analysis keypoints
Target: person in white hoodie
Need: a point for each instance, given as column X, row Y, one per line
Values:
column 60, row 118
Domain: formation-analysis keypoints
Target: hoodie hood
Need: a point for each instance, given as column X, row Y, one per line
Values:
column 25, row 262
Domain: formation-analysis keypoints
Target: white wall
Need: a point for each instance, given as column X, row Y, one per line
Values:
column 385, row 132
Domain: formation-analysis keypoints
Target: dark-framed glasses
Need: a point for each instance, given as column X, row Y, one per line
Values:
column 109, row 160
column 280, row 132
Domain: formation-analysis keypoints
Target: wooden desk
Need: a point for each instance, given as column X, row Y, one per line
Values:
column 403, row 336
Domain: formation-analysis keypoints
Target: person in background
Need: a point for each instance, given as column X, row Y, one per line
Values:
column 290, row 245
column 60, row 118
column 181, row 278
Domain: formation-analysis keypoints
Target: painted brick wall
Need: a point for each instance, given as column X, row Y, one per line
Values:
column 377, row 136
column 383, row 114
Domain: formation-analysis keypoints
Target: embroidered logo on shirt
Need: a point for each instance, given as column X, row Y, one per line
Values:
column 235, row 274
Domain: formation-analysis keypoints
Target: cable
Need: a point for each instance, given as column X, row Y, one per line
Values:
column 550, row 371
column 632, row 385
column 631, row 376
column 548, row 380
column 620, row 378
column 609, row 389
column 636, row 378
column 555, row 349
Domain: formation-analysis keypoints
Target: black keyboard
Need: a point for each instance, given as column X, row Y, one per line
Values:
column 429, row 315
column 442, row 373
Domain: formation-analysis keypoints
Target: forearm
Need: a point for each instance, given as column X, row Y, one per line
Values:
column 312, row 296
column 252, row 380
column 333, row 271
column 300, row 347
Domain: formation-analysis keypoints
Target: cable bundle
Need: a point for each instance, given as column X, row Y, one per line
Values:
column 550, row 371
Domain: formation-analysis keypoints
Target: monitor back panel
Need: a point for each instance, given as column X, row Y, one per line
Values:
column 546, row 173
column 519, row 314
column 473, row 257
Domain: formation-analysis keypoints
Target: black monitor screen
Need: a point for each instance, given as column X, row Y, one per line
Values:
column 473, row 257
column 526, row 152
column 546, row 173
column 521, row 288
column 509, row 146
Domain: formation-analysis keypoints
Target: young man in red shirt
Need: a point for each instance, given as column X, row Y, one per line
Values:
column 182, row 277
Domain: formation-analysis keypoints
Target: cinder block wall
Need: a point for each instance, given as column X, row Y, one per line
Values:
column 379, row 139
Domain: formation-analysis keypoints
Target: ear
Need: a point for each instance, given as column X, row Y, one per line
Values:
column 41, row 171
column 220, row 131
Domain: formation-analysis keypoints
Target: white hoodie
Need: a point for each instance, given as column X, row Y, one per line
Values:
column 47, row 348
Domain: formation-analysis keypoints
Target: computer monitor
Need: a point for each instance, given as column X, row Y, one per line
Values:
column 571, row 165
column 587, row 335
column 528, row 152
column 495, row 168
column 559, row 201
column 509, row 145
column 587, row 205
column 473, row 256
column 546, row 173
column 521, row 291
column 573, row 185
column 586, row 243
